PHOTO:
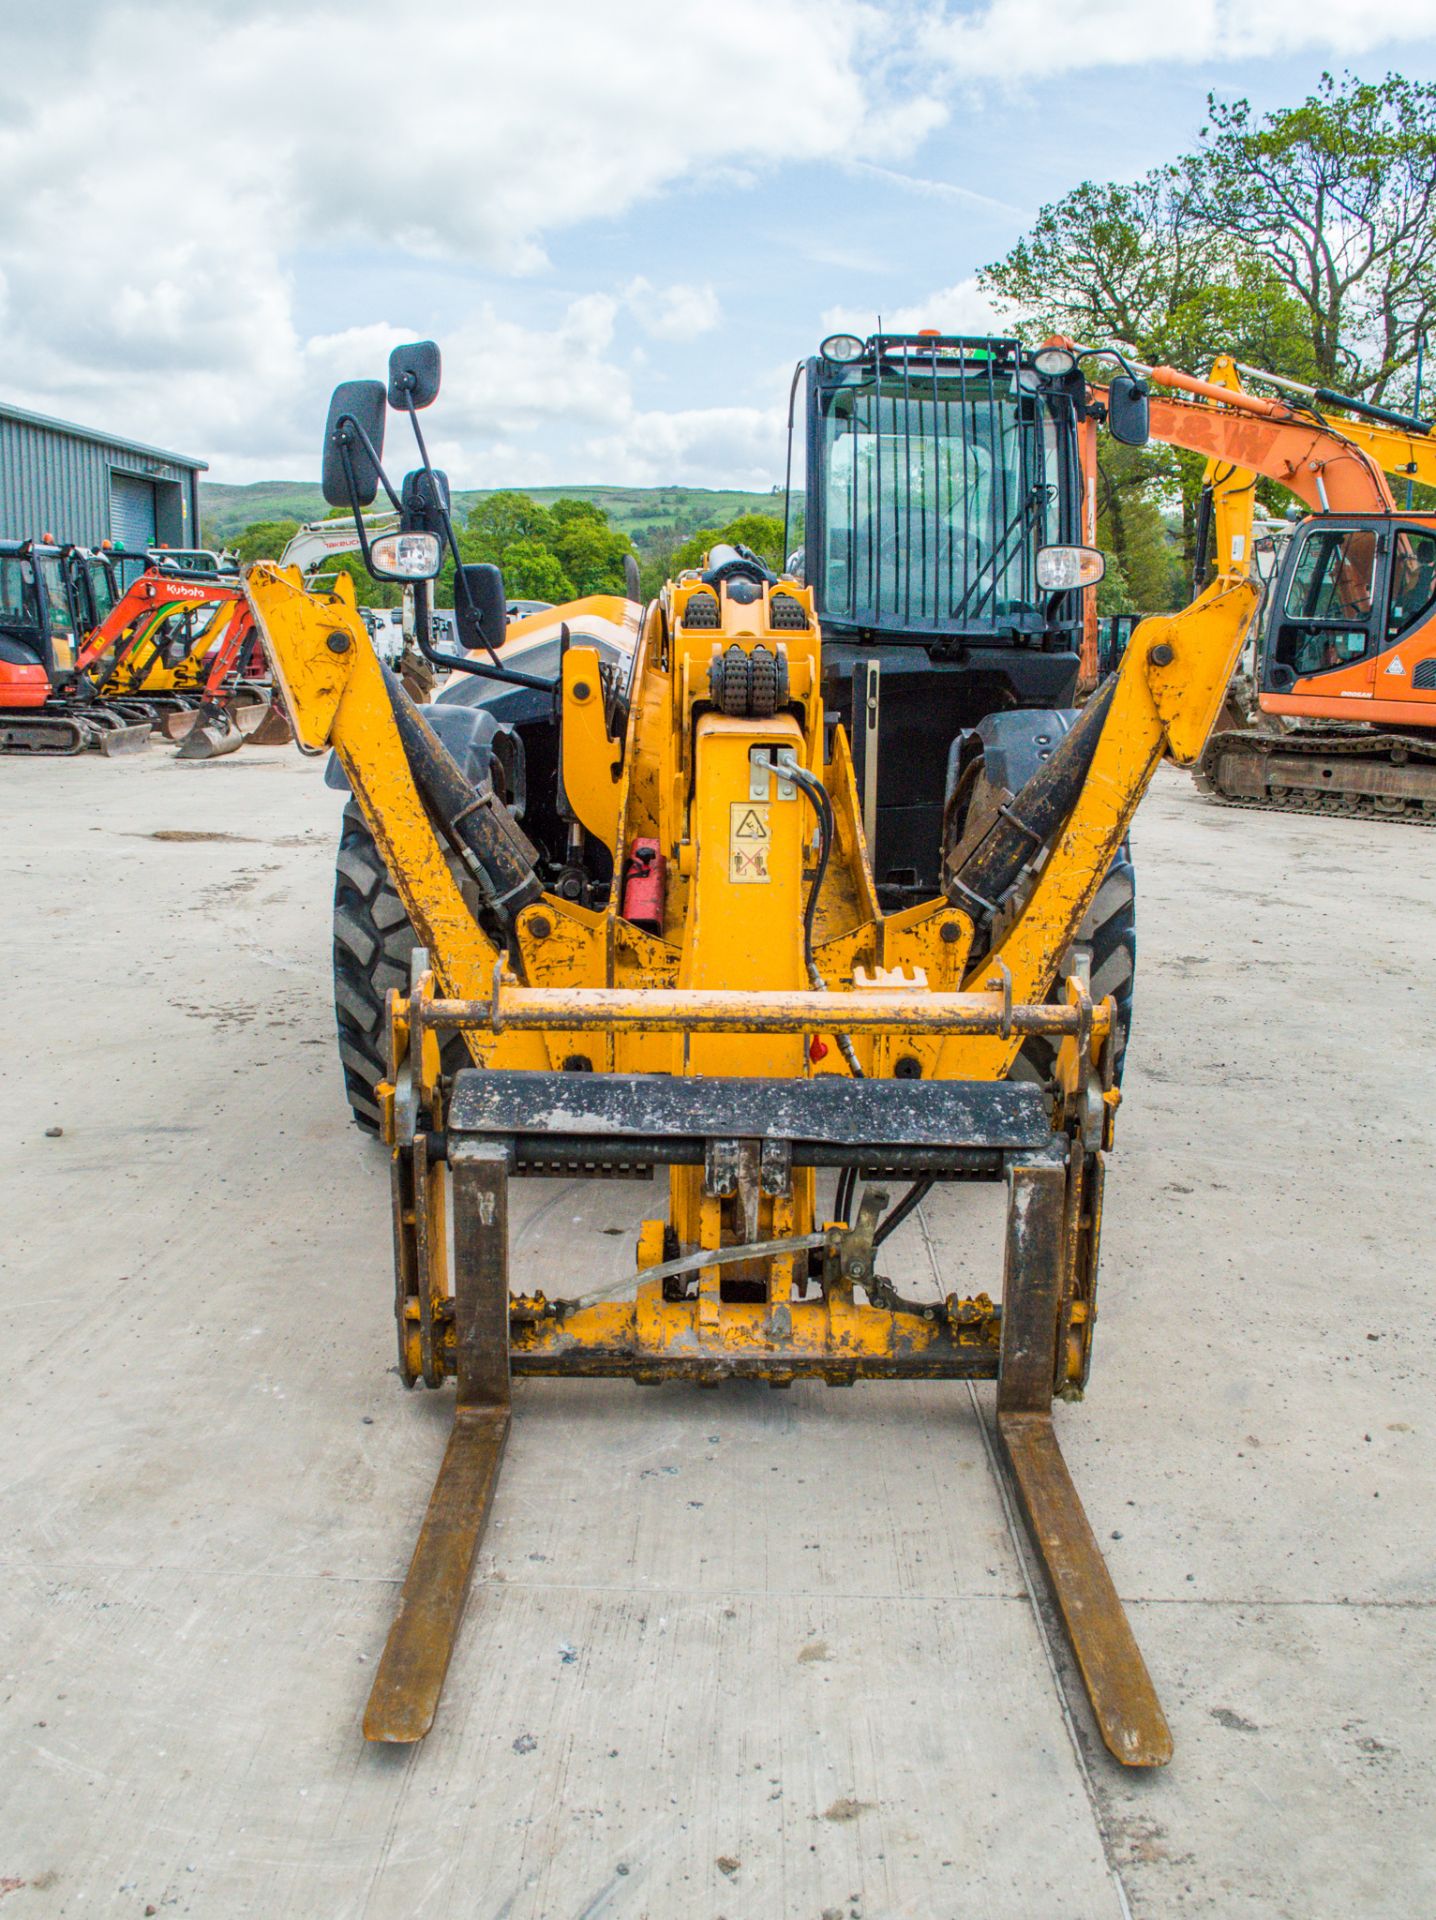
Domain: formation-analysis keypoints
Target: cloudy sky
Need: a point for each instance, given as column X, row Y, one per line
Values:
column 623, row 222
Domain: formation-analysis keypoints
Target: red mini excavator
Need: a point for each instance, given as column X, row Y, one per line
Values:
column 81, row 669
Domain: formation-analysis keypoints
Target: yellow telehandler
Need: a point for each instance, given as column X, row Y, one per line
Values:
column 785, row 879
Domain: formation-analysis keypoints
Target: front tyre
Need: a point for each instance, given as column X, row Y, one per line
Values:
column 373, row 945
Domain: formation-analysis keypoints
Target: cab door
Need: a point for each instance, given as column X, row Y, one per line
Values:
column 1328, row 620
column 1406, row 665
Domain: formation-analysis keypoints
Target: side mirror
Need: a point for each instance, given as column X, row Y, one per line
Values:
column 354, row 404
column 414, row 375
column 424, row 500
column 1127, row 411
column 480, row 607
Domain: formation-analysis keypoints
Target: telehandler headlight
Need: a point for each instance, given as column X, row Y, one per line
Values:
column 1055, row 362
column 406, row 556
column 1060, row 568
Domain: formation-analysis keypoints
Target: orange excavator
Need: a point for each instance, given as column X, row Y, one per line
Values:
column 51, row 597
column 172, row 649
column 184, row 646
column 1346, row 658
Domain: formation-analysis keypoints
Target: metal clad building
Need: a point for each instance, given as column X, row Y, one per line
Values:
column 87, row 487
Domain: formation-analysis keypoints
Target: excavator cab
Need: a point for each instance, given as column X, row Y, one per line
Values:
column 943, row 546
column 1353, row 618
column 43, row 605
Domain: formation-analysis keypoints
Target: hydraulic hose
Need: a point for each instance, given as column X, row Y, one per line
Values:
column 818, row 797
column 480, row 827
column 1029, row 823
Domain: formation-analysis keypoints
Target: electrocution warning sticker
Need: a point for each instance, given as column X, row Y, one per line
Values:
column 748, row 842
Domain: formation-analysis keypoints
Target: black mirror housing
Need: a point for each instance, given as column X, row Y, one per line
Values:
column 414, row 375
column 361, row 402
column 424, row 501
column 480, row 607
column 1128, row 412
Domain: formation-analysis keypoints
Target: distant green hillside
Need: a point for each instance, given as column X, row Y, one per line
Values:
column 649, row 515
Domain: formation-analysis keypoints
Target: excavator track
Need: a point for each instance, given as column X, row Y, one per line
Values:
column 1378, row 776
column 58, row 735
column 55, row 735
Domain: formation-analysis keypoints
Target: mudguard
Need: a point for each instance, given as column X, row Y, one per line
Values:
column 1012, row 745
column 476, row 738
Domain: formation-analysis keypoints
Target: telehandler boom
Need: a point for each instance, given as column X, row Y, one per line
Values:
column 714, row 945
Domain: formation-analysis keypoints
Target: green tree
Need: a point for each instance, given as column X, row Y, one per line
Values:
column 265, row 539
column 588, row 548
column 1303, row 241
column 497, row 520
column 670, row 553
column 762, row 533
column 368, row 591
column 1131, row 530
column 1334, row 200
column 1113, row 593
column 532, row 572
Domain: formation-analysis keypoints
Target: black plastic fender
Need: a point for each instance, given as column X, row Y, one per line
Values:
column 1013, row 744
column 476, row 737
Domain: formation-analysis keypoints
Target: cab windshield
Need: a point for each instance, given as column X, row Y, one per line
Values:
column 102, row 588
column 17, row 594
column 939, row 490
column 52, row 573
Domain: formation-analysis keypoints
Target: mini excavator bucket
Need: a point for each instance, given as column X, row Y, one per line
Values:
column 212, row 732
column 220, row 727
column 271, row 728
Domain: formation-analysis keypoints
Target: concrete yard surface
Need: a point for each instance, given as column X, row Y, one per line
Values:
column 732, row 1654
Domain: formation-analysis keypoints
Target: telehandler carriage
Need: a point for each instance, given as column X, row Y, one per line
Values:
column 778, row 880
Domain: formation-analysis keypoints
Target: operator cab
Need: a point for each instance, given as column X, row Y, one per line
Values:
column 1352, row 590
column 939, row 469
column 44, row 605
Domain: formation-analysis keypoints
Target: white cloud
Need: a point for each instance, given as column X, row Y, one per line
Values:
column 963, row 308
column 1018, row 40
column 935, row 189
column 700, row 446
column 673, row 313
column 181, row 280
column 151, row 279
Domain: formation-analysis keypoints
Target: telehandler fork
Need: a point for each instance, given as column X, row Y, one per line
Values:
column 738, row 1005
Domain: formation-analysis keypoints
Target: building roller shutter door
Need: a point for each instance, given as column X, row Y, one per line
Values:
column 132, row 512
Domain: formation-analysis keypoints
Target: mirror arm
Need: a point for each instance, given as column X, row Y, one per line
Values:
column 354, row 507
column 348, row 420
column 460, row 662
column 451, row 539
column 1109, row 353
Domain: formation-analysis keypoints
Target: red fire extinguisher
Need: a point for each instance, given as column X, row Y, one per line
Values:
column 643, row 886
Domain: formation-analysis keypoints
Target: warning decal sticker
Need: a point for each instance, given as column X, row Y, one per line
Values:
column 748, row 842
